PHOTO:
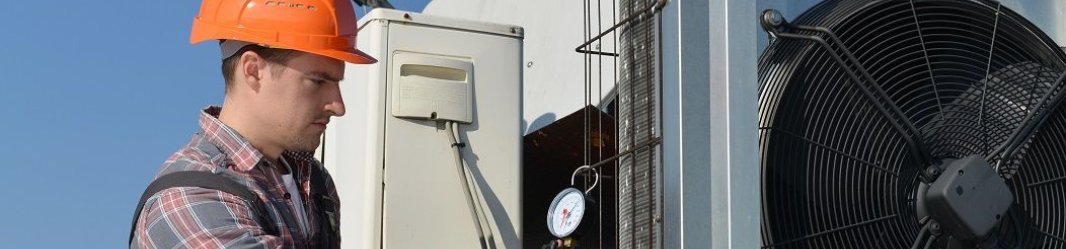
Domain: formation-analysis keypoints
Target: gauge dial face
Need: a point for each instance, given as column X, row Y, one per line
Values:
column 565, row 212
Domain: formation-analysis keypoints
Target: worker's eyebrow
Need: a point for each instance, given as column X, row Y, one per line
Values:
column 323, row 75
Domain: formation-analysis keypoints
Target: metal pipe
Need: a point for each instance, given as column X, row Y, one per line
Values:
column 652, row 142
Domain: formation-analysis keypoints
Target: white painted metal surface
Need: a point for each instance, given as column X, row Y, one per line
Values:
column 396, row 176
column 553, row 72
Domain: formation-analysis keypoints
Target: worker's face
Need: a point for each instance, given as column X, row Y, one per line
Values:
column 299, row 101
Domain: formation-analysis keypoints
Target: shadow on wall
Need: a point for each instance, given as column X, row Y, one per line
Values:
column 542, row 121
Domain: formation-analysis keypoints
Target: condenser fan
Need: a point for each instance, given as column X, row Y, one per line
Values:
column 912, row 124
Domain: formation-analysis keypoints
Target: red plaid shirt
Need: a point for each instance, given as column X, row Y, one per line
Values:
column 191, row 217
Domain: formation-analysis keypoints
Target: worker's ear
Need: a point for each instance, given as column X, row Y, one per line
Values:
column 251, row 68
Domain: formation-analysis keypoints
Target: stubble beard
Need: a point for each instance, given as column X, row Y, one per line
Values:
column 305, row 143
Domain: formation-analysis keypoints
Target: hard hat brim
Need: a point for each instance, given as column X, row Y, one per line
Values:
column 205, row 31
column 352, row 56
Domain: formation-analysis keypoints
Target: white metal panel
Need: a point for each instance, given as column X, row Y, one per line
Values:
column 397, row 179
column 449, row 21
column 424, row 203
column 352, row 150
column 554, row 74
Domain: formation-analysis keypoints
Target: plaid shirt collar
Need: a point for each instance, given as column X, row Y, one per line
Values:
column 241, row 153
column 239, row 150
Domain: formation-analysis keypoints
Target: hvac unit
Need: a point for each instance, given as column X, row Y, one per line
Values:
column 440, row 86
column 911, row 124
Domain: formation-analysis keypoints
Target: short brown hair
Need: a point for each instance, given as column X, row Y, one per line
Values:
column 276, row 56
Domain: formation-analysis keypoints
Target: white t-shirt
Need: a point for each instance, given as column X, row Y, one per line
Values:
column 291, row 187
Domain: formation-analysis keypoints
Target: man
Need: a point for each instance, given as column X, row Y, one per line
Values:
column 283, row 61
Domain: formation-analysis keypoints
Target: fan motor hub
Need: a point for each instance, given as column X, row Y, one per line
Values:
column 968, row 198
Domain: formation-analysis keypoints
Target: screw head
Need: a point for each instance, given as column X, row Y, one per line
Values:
column 772, row 18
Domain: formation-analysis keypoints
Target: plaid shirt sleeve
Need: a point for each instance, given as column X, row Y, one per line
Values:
column 191, row 217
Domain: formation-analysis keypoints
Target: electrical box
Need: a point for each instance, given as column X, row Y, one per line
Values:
column 390, row 156
column 432, row 87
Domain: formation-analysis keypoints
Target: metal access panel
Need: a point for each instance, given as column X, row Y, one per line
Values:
column 391, row 157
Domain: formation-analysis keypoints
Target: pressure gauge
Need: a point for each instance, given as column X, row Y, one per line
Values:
column 567, row 212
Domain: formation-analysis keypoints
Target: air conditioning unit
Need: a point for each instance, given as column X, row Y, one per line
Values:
column 392, row 156
column 911, row 124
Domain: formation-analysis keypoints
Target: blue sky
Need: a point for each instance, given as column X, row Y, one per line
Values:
column 94, row 95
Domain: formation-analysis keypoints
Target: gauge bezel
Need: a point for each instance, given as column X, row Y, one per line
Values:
column 587, row 205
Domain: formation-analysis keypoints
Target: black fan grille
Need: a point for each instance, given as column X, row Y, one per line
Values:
column 836, row 174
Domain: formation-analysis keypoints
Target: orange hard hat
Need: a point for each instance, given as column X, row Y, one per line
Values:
column 323, row 27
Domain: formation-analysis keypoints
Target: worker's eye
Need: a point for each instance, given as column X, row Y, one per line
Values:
column 318, row 81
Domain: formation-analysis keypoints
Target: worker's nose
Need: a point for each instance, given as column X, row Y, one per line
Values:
column 336, row 105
